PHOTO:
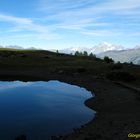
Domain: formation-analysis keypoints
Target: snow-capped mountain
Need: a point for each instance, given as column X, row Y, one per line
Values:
column 102, row 47
column 74, row 49
column 129, row 55
column 137, row 47
column 116, row 52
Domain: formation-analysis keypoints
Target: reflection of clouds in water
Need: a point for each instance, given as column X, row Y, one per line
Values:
column 50, row 86
column 13, row 84
column 60, row 87
column 67, row 88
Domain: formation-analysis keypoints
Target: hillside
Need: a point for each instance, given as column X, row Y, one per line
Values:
column 130, row 55
column 29, row 62
column 116, row 52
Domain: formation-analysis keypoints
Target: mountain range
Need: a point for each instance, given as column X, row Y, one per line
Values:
column 129, row 55
column 116, row 52
column 100, row 48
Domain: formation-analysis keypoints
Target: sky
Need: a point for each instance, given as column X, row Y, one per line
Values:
column 57, row 24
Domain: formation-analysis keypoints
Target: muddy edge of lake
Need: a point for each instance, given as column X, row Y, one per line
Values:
column 118, row 112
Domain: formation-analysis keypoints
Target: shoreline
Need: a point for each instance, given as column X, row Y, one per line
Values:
column 121, row 115
column 116, row 106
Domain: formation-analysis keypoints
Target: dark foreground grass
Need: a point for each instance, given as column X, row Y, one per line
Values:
column 17, row 62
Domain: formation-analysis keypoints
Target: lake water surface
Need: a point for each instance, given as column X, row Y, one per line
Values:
column 41, row 109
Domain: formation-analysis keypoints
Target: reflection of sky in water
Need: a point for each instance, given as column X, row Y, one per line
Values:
column 9, row 85
column 41, row 109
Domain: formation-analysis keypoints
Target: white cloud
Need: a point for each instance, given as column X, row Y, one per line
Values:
column 80, row 25
column 64, row 8
column 23, row 24
column 52, row 6
column 101, row 33
column 15, row 20
column 81, row 14
column 30, row 28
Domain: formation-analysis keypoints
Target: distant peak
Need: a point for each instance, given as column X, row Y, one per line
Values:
column 96, row 49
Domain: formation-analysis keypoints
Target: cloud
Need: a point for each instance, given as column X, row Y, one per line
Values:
column 15, row 20
column 28, row 26
column 98, row 14
column 22, row 23
column 56, row 6
column 77, row 15
column 80, row 25
column 101, row 33
column 135, row 34
column 59, row 8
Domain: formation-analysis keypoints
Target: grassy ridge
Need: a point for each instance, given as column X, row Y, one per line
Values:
column 50, row 62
